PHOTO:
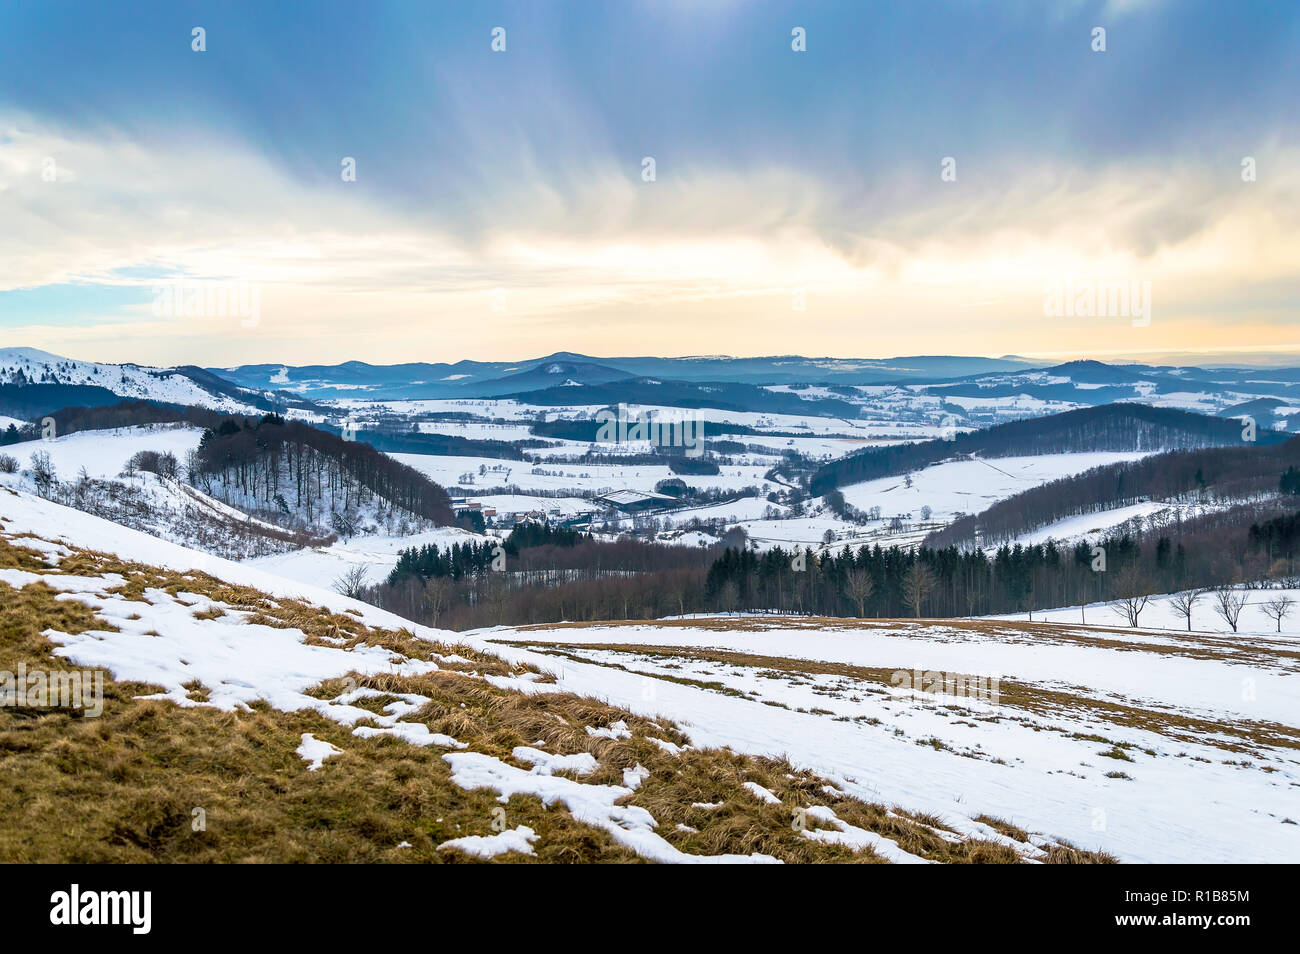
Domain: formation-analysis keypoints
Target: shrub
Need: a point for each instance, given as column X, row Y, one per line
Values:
column 164, row 464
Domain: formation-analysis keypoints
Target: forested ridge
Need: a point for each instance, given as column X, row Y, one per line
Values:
column 275, row 465
column 1208, row 475
column 1112, row 427
column 295, row 467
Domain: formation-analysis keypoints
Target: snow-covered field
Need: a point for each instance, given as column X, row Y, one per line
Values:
column 590, row 478
column 1159, row 615
column 1155, row 746
column 948, row 488
column 322, row 566
column 105, row 453
column 970, row 486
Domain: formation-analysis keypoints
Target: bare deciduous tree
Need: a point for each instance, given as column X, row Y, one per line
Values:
column 1228, row 603
column 1278, row 608
column 1184, row 603
column 917, row 584
column 1132, row 593
column 352, row 582
column 859, row 586
column 729, row 596
column 436, row 591
column 497, row 596
column 346, row 522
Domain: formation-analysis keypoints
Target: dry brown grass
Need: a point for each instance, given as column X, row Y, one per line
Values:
column 1004, row 827
column 132, row 785
column 1065, row 853
column 1240, row 736
column 1220, row 647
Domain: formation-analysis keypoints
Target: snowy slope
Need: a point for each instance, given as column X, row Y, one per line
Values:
column 1091, row 526
column 377, row 553
column 105, row 453
column 129, row 380
column 1036, row 758
column 179, row 640
column 89, row 468
column 970, row 486
column 1184, row 796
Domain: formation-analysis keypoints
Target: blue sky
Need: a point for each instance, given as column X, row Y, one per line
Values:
column 499, row 207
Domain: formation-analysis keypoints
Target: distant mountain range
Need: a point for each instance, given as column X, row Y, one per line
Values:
column 564, row 368
column 959, row 391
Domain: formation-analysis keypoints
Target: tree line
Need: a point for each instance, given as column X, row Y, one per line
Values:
column 590, row 580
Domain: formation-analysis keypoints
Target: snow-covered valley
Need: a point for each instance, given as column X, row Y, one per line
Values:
column 1055, row 733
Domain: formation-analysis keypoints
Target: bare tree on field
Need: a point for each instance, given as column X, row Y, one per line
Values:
column 1183, row 603
column 1278, row 609
column 917, row 584
column 859, row 585
column 352, row 582
column 1132, row 593
column 1228, row 603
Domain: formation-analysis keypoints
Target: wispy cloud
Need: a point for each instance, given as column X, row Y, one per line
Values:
column 501, row 200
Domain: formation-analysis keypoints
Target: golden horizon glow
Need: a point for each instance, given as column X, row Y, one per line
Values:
column 344, row 276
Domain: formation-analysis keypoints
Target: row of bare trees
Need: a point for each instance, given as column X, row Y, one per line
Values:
column 1226, row 602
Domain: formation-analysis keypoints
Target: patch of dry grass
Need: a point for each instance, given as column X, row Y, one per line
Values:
column 1003, row 827
column 150, row 781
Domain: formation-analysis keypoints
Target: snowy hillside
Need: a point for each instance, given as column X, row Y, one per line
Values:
column 308, row 698
column 91, row 471
column 136, row 382
column 376, row 553
column 105, row 453
column 969, row 486
column 1083, row 738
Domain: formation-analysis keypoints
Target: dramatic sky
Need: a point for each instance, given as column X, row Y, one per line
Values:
column 500, row 210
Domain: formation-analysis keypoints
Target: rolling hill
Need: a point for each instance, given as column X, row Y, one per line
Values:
column 1112, row 427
